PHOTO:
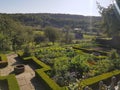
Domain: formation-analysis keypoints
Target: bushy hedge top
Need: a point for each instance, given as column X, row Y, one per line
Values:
column 41, row 73
column 91, row 51
column 12, row 82
column 3, row 57
column 96, row 79
column 20, row 53
column 41, row 63
column 50, row 83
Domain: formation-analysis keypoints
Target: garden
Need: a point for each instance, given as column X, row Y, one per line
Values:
column 70, row 64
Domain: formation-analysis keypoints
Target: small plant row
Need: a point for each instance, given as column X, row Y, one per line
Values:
column 91, row 51
column 94, row 80
column 40, row 73
column 11, row 81
column 3, row 60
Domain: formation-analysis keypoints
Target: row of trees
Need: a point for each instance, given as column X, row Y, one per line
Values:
column 57, row 20
column 54, row 34
column 14, row 35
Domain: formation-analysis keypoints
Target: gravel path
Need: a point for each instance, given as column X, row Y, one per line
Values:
column 26, row 80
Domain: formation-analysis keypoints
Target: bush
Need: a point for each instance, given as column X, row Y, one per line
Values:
column 93, row 80
column 91, row 51
column 45, row 79
column 11, row 81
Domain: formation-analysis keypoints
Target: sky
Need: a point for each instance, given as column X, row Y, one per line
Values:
column 78, row 7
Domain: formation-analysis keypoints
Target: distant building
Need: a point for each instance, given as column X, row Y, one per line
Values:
column 78, row 34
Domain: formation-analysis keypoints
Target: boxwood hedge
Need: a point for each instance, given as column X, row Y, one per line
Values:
column 11, row 81
column 40, row 73
column 93, row 80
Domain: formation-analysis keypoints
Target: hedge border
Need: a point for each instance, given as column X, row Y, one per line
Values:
column 94, row 80
column 52, row 85
column 40, row 73
column 91, row 50
column 12, row 82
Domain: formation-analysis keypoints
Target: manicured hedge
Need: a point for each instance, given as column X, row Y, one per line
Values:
column 20, row 53
column 11, row 81
column 47, row 81
column 91, row 51
column 3, row 62
column 96, row 79
column 41, row 63
column 40, row 73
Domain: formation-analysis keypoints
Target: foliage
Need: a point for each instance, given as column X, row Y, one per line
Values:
column 79, row 63
column 56, row 20
column 12, row 82
column 115, row 58
column 67, row 35
column 111, row 19
column 45, row 79
column 61, row 65
column 38, row 37
column 52, row 34
column 102, row 66
column 113, row 54
column 12, row 34
column 96, row 79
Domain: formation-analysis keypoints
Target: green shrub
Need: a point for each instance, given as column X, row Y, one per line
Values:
column 96, row 79
column 20, row 54
column 45, row 79
column 91, row 51
column 11, row 81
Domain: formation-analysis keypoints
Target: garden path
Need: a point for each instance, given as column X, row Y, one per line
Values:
column 26, row 80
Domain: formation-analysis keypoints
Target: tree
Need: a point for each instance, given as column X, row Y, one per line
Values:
column 51, row 33
column 115, row 58
column 67, row 35
column 38, row 37
column 13, row 34
column 111, row 20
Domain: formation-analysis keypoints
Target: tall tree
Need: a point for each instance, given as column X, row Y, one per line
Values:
column 12, row 34
column 111, row 20
column 51, row 33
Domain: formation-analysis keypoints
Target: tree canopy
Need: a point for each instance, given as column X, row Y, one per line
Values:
column 111, row 18
column 51, row 33
column 13, row 34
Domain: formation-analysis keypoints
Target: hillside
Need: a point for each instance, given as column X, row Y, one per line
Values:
column 57, row 20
